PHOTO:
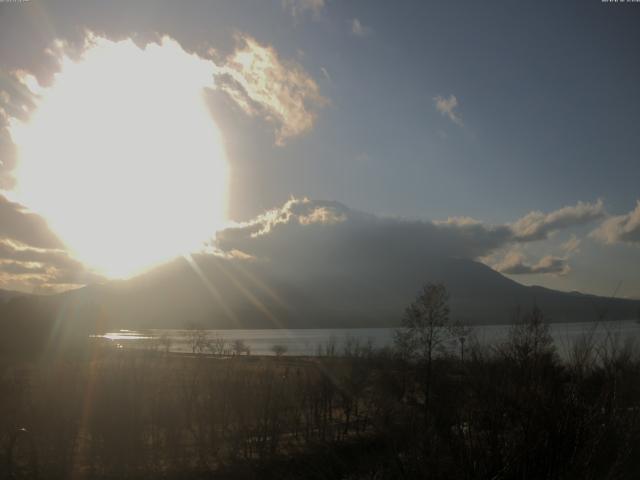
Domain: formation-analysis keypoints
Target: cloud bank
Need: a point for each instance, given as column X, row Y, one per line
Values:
column 316, row 235
column 311, row 238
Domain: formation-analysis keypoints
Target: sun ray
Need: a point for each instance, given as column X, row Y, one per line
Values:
column 260, row 284
column 211, row 288
column 255, row 301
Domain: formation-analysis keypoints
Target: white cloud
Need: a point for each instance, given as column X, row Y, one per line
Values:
column 447, row 107
column 514, row 263
column 572, row 245
column 359, row 30
column 325, row 74
column 299, row 7
column 538, row 225
column 263, row 84
column 621, row 228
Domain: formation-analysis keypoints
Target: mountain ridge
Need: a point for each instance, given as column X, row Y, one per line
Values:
column 214, row 292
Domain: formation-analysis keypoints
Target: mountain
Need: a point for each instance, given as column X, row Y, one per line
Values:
column 213, row 292
column 6, row 295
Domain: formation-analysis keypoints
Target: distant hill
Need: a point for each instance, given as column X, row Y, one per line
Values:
column 222, row 293
column 6, row 295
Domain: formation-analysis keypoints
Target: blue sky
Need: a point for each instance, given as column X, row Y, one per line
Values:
column 546, row 115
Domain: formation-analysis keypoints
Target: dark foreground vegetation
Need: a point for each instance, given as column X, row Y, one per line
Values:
column 512, row 411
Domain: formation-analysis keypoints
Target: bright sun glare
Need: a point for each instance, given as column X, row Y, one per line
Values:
column 122, row 157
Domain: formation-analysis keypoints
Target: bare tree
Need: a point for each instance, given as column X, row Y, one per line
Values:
column 424, row 328
column 279, row 350
column 529, row 339
column 218, row 346
column 239, row 347
column 198, row 340
column 165, row 342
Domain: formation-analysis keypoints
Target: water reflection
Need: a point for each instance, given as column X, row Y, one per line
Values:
column 309, row 341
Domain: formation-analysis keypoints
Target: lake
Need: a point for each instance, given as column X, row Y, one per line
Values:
column 312, row 341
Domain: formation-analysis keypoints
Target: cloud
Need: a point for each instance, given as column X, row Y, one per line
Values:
column 536, row 226
column 253, row 75
column 572, row 245
column 7, row 159
column 359, row 30
column 310, row 237
column 327, row 259
column 304, row 228
column 447, row 107
column 514, row 263
column 19, row 224
column 539, row 226
column 299, row 7
column 310, row 240
column 620, row 229
column 263, row 84
column 325, row 74
column 462, row 237
column 21, row 268
column 30, row 254
column 21, row 265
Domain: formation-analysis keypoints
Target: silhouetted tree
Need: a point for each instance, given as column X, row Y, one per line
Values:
column 424, row 329
column 529, row 338
column 279, row 350
column 239, row 347
column 198, row 340
column 218, row 346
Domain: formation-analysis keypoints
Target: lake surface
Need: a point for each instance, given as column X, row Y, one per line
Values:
column 314, row 341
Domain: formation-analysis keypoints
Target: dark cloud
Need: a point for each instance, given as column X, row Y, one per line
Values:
column 308, row 241
column 21, row 268
column 301, row 224
column 51, row 266
column 20, row 225
column 7, row 159
column 306, row 237
column 322, row 234
column 30, row 254
column 315, row 236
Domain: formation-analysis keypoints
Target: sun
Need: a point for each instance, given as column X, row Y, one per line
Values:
column 122, row 157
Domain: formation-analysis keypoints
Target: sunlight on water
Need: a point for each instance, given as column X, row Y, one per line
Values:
column 124, row 335
column 307, row 341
